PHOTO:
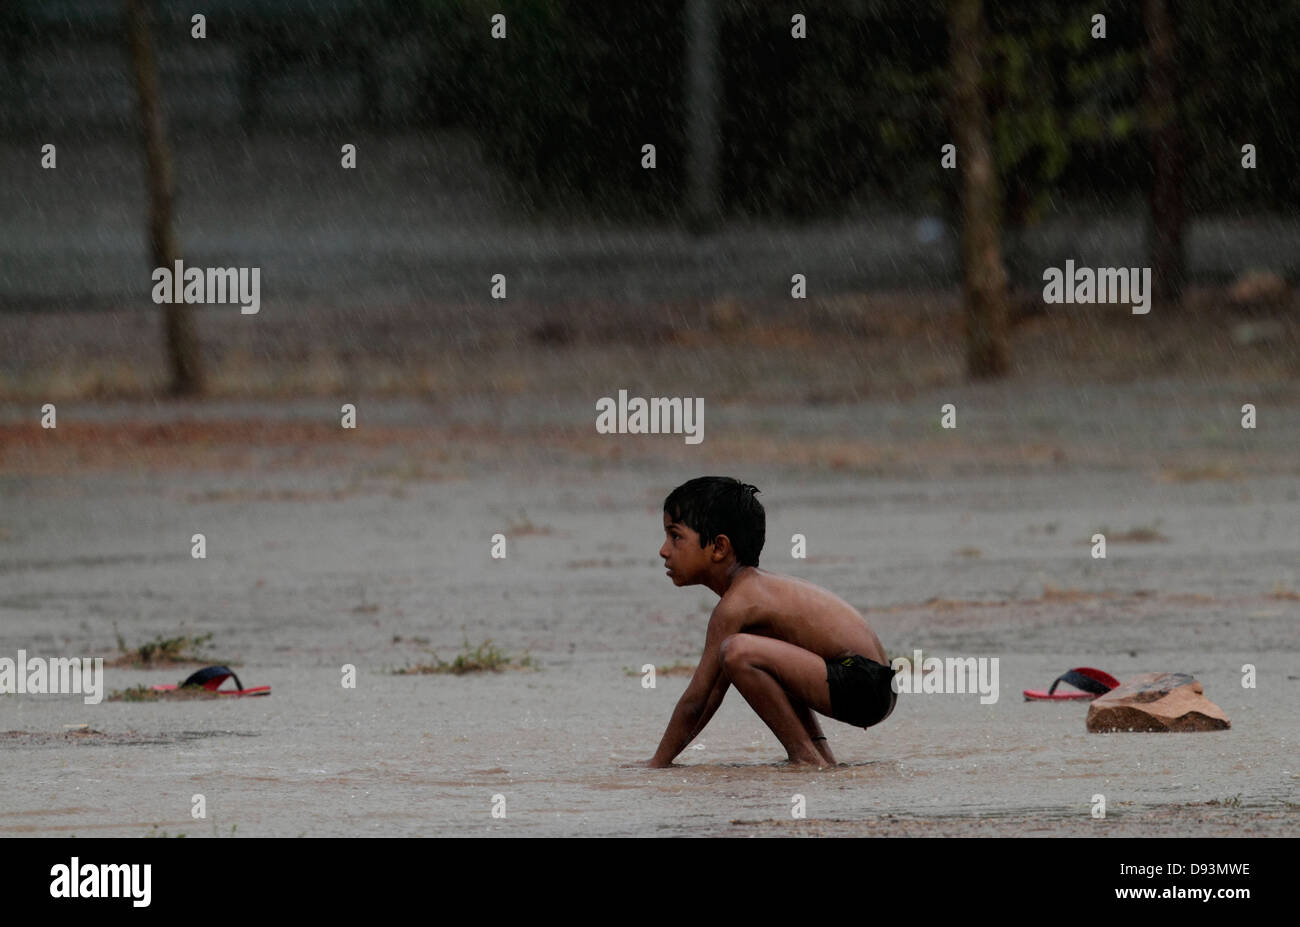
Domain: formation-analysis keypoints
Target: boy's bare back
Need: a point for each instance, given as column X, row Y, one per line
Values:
column 796, row 611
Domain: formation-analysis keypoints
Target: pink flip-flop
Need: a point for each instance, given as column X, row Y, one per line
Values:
column 1091, row 683
column 211, row 678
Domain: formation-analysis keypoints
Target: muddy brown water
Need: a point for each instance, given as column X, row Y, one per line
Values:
column 358, row 560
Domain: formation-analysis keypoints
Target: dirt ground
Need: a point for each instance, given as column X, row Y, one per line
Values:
column 370, row 547
column 841, row 348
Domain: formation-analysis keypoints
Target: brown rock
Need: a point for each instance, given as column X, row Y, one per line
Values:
column 1156, row 702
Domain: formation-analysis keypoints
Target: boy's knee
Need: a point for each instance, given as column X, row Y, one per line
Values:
column 735, row 651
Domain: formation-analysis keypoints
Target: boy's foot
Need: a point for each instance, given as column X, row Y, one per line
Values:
column 774, row 677
column 828, row 758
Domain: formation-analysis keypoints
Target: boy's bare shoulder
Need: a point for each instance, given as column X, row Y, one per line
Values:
column 743, row 599
column 763, row 585
column 736, row 604
column 760, row 593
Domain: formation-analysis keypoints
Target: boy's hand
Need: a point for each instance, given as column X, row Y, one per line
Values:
column 704, row 692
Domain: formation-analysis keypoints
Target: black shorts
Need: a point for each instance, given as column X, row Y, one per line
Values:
column 862, row 691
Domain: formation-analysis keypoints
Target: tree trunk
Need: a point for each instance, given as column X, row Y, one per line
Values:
column 178, row 318
column 1168, row 269
column 984, row 278
column 703, row 135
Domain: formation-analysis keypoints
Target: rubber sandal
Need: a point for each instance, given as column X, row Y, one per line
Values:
column 211, row 678
column 1091, row 683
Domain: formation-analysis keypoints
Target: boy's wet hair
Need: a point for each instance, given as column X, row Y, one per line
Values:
column 713, row 505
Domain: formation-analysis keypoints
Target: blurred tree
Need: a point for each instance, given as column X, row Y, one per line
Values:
column 178, row 318
column 1237, row 77
column 836, row 122
column 568, row 98
column 1064, row 109
column 983, row 276
column 1163, row 125
column 702, row 105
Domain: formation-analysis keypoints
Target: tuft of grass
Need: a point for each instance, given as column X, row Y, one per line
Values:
column 146, row 694
column 1282, row 590
column 1233, row 801
column 523, row 526
column 1141, row 534
column 676, row 668
column 486, row 657
column 162, row 833
column 1051, row 591
column 161, row 650
column 397, row 639
column 133, row 694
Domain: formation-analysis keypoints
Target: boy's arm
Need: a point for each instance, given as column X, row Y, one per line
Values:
column 704, row 693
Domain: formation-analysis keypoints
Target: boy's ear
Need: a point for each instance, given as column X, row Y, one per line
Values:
column 721, row 547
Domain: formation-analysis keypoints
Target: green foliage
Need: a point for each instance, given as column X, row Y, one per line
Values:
column 146, row 694
column 1063, row 105
column 856, row 113
column 134, row 694
column 676, row 668
column 184, row 648
column 486, row 657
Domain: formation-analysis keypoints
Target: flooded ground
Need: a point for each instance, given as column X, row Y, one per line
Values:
column 330, row 549
column 372, row 548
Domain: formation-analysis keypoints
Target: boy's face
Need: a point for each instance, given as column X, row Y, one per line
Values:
column 685, row 560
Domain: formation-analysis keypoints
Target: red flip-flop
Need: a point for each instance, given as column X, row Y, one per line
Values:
column 1091, row 683
column 211, row 678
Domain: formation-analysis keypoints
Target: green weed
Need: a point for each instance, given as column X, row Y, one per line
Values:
column 184, row 648
column 486, row 657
